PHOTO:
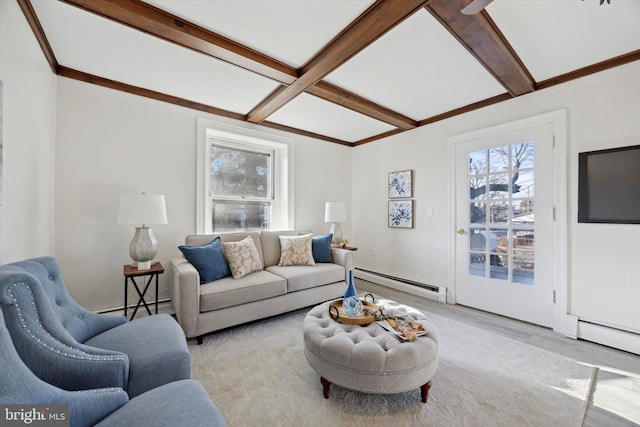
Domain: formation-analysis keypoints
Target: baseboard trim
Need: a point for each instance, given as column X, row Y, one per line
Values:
column 438, row 294
column 611, row 337
column 164, row 306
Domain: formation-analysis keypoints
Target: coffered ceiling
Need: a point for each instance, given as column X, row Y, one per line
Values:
column 346, row 71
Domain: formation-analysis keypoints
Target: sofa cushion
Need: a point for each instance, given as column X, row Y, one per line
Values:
column 296, row 250
column 271, row 244
column 321, row 248
column 301, row 277
column 243, row 257
column 208, row 260
column 228, row 292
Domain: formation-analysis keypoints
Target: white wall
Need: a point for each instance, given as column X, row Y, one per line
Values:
column 111, row 142
column 417, row 254
column 26, row 217
column 604, row 260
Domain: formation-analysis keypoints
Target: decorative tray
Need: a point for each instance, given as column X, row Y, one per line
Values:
column 368, row 315
column 404, row 327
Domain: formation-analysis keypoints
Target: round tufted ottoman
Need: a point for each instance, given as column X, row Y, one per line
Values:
column 369, row 358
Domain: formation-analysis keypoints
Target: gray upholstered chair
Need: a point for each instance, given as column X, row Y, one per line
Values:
column 75, row 349
column 181, row 403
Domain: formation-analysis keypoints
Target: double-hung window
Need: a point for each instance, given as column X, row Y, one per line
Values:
column 243, row 180
column 241, row 187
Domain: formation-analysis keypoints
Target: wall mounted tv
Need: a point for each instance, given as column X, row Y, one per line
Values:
column 609, row 186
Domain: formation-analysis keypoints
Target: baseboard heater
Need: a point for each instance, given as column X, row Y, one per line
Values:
column 433, row 292
column 164, row 306
column 608, row 335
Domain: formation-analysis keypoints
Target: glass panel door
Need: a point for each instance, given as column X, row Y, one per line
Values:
column 504, row 243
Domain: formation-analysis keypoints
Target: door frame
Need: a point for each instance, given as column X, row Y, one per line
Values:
column 558, row 121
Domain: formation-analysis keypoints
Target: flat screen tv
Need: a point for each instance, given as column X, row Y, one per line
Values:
column 609, row 186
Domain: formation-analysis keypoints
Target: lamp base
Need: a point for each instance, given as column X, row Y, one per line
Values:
column 143, row 245
column 337, row 236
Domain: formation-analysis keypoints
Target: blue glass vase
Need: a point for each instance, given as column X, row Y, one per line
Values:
column 351, row 290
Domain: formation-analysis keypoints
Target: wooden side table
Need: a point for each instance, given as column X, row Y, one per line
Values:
column 347, row 248
column 130, row 274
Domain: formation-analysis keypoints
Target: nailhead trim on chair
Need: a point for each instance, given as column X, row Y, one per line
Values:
column 100, row 390
column 72, row 352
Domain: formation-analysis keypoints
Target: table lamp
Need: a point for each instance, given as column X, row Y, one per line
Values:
column 335, row 213
column 140, row 210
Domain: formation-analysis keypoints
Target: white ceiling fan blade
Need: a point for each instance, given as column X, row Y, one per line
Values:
column 475, row 7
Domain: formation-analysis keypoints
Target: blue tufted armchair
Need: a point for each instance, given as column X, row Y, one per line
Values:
column 75, row 349
column 181, row 403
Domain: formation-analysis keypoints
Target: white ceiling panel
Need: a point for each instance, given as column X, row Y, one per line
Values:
column 99, row 46
column 315, row 115
column 291, row 31
column 417, row 69
column 554, row 37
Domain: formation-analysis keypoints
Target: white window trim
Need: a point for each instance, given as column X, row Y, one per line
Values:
column 283, row 185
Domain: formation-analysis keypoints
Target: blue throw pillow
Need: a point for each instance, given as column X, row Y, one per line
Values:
column 321, row 248
column 208, row 260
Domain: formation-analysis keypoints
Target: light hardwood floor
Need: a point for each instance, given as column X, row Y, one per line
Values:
column 615, row 399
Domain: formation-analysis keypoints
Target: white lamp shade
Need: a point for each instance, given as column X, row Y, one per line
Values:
column 142, row 209
column 335, row 212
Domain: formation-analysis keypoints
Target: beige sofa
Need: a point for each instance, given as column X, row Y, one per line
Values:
column 203, row 308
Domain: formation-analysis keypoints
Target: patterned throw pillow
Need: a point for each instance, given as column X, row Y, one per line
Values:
column 243, row 257
column 296, row 250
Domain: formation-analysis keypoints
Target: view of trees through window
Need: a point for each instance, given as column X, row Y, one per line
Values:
column 241, row 188
column 501, row 214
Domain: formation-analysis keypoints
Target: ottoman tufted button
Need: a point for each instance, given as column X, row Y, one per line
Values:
column 368, row 358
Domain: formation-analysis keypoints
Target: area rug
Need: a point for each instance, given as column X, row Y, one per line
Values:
column 257, row 375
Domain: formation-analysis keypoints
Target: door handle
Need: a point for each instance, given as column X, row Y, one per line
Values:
column 461, row 231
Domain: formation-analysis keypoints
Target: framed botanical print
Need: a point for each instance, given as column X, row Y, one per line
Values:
column 401, row 184
column 401, row 213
